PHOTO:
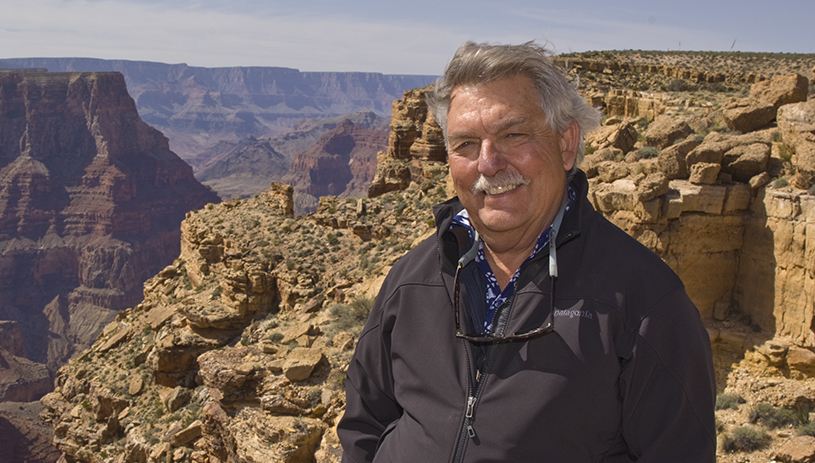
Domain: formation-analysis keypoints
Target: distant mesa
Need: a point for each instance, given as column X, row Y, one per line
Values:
column 196, row 107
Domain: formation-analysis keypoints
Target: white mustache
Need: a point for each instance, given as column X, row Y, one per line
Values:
column 503, row 180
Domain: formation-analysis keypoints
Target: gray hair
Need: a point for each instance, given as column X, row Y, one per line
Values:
column 481, row 64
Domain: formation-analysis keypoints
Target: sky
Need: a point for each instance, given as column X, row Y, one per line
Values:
column 390, row 37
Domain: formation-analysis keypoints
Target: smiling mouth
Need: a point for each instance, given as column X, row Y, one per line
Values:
column 501, row 189
column 498, row 184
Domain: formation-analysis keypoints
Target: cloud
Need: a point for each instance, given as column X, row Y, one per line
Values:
column 416, row 37
column 207, row 37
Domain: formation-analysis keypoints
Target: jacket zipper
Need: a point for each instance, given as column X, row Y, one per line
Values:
column 467, row 430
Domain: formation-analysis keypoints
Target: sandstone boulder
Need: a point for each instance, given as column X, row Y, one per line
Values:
column 300, row 363
column 747, row 115
column 802, row 360
column 800, row 449
column 781, row 90
column 805, row 166
column 177, row 398
column 622, row 136
column 652, row 186
column 704, row 173
column 672, row 161
column 759, row 180
column 609, row 171
column 665, row 130
column 797, row 125
column 746, row 161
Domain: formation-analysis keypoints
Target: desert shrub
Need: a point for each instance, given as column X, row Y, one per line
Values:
column 351, row 317
column 648, row 152
column 728, row 401
column 776, row 136
column 746, row 439
column 678, row 85
column 811, row 190
column 773, row 417
column 785, row 152
column 807, row 429
column 781, row 182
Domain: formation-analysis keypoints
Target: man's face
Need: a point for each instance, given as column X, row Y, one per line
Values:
column 498, row 132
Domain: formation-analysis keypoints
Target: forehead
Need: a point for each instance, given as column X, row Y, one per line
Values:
column 513, row 98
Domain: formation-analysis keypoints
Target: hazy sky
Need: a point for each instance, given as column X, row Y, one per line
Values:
column 392, row 37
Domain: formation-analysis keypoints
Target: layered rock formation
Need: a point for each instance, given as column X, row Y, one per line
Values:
column 342, row 163
column 238, row 351
column 197, row 107
column 90, row 203
column 243, row 169
column 415, row 140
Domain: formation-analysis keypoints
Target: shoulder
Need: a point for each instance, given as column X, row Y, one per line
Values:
column 420, row 266
column 620, row 270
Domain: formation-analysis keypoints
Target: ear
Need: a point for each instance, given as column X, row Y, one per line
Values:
column 569, row 142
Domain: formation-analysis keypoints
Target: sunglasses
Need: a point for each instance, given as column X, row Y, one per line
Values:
column 493, row 338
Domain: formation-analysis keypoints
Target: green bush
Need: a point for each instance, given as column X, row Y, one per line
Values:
column 351, row 316
column 728, row 401
column 648, row 152
column 746, row 439
column 781, row 183
column 807, row 429
column 773, row 417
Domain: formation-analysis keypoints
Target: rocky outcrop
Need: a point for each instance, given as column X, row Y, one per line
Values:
column 238, row 350
column 415, row 142
column 797, row 125
column 22, row 380
column 342, row 163
column 781, row 90
column 90, row 203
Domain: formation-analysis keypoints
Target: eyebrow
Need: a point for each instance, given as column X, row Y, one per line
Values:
column 503, row 126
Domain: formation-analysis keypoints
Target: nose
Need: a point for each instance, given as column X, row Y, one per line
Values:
column 490, row 159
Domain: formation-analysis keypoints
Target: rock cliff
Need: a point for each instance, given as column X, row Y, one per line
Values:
column 91, row 199
column 341, row 163
column 237, row 352
column 198, row 107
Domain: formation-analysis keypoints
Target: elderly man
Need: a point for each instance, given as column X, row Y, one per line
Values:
column 528, row 328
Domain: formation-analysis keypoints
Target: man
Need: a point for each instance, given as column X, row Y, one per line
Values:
column 529, row 329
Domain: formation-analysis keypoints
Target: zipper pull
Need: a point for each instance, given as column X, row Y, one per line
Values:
column 470, row 406
column 470, row 431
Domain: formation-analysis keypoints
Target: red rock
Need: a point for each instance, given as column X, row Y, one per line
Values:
column 91, row 200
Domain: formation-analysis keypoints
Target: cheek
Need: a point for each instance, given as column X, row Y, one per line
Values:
column 461, row 171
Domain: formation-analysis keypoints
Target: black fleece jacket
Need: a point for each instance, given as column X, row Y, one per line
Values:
column 625, row 376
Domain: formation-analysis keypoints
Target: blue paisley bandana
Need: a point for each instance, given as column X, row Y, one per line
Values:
column 496, row 297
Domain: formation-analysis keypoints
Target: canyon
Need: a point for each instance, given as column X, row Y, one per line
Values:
column 238, row 349
column 91, row 199
column 197, row 107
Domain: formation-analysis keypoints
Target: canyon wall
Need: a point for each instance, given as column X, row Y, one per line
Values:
column 341, row 163
column 91, row 199
column 197, row 107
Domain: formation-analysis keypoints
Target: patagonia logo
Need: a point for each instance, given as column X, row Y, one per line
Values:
column 574, row 311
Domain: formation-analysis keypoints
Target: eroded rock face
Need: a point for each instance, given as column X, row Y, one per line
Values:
column 90, row 204
column 415, row 140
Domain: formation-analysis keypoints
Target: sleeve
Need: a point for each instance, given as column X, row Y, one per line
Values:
column 370, row 405
column 668, row 386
